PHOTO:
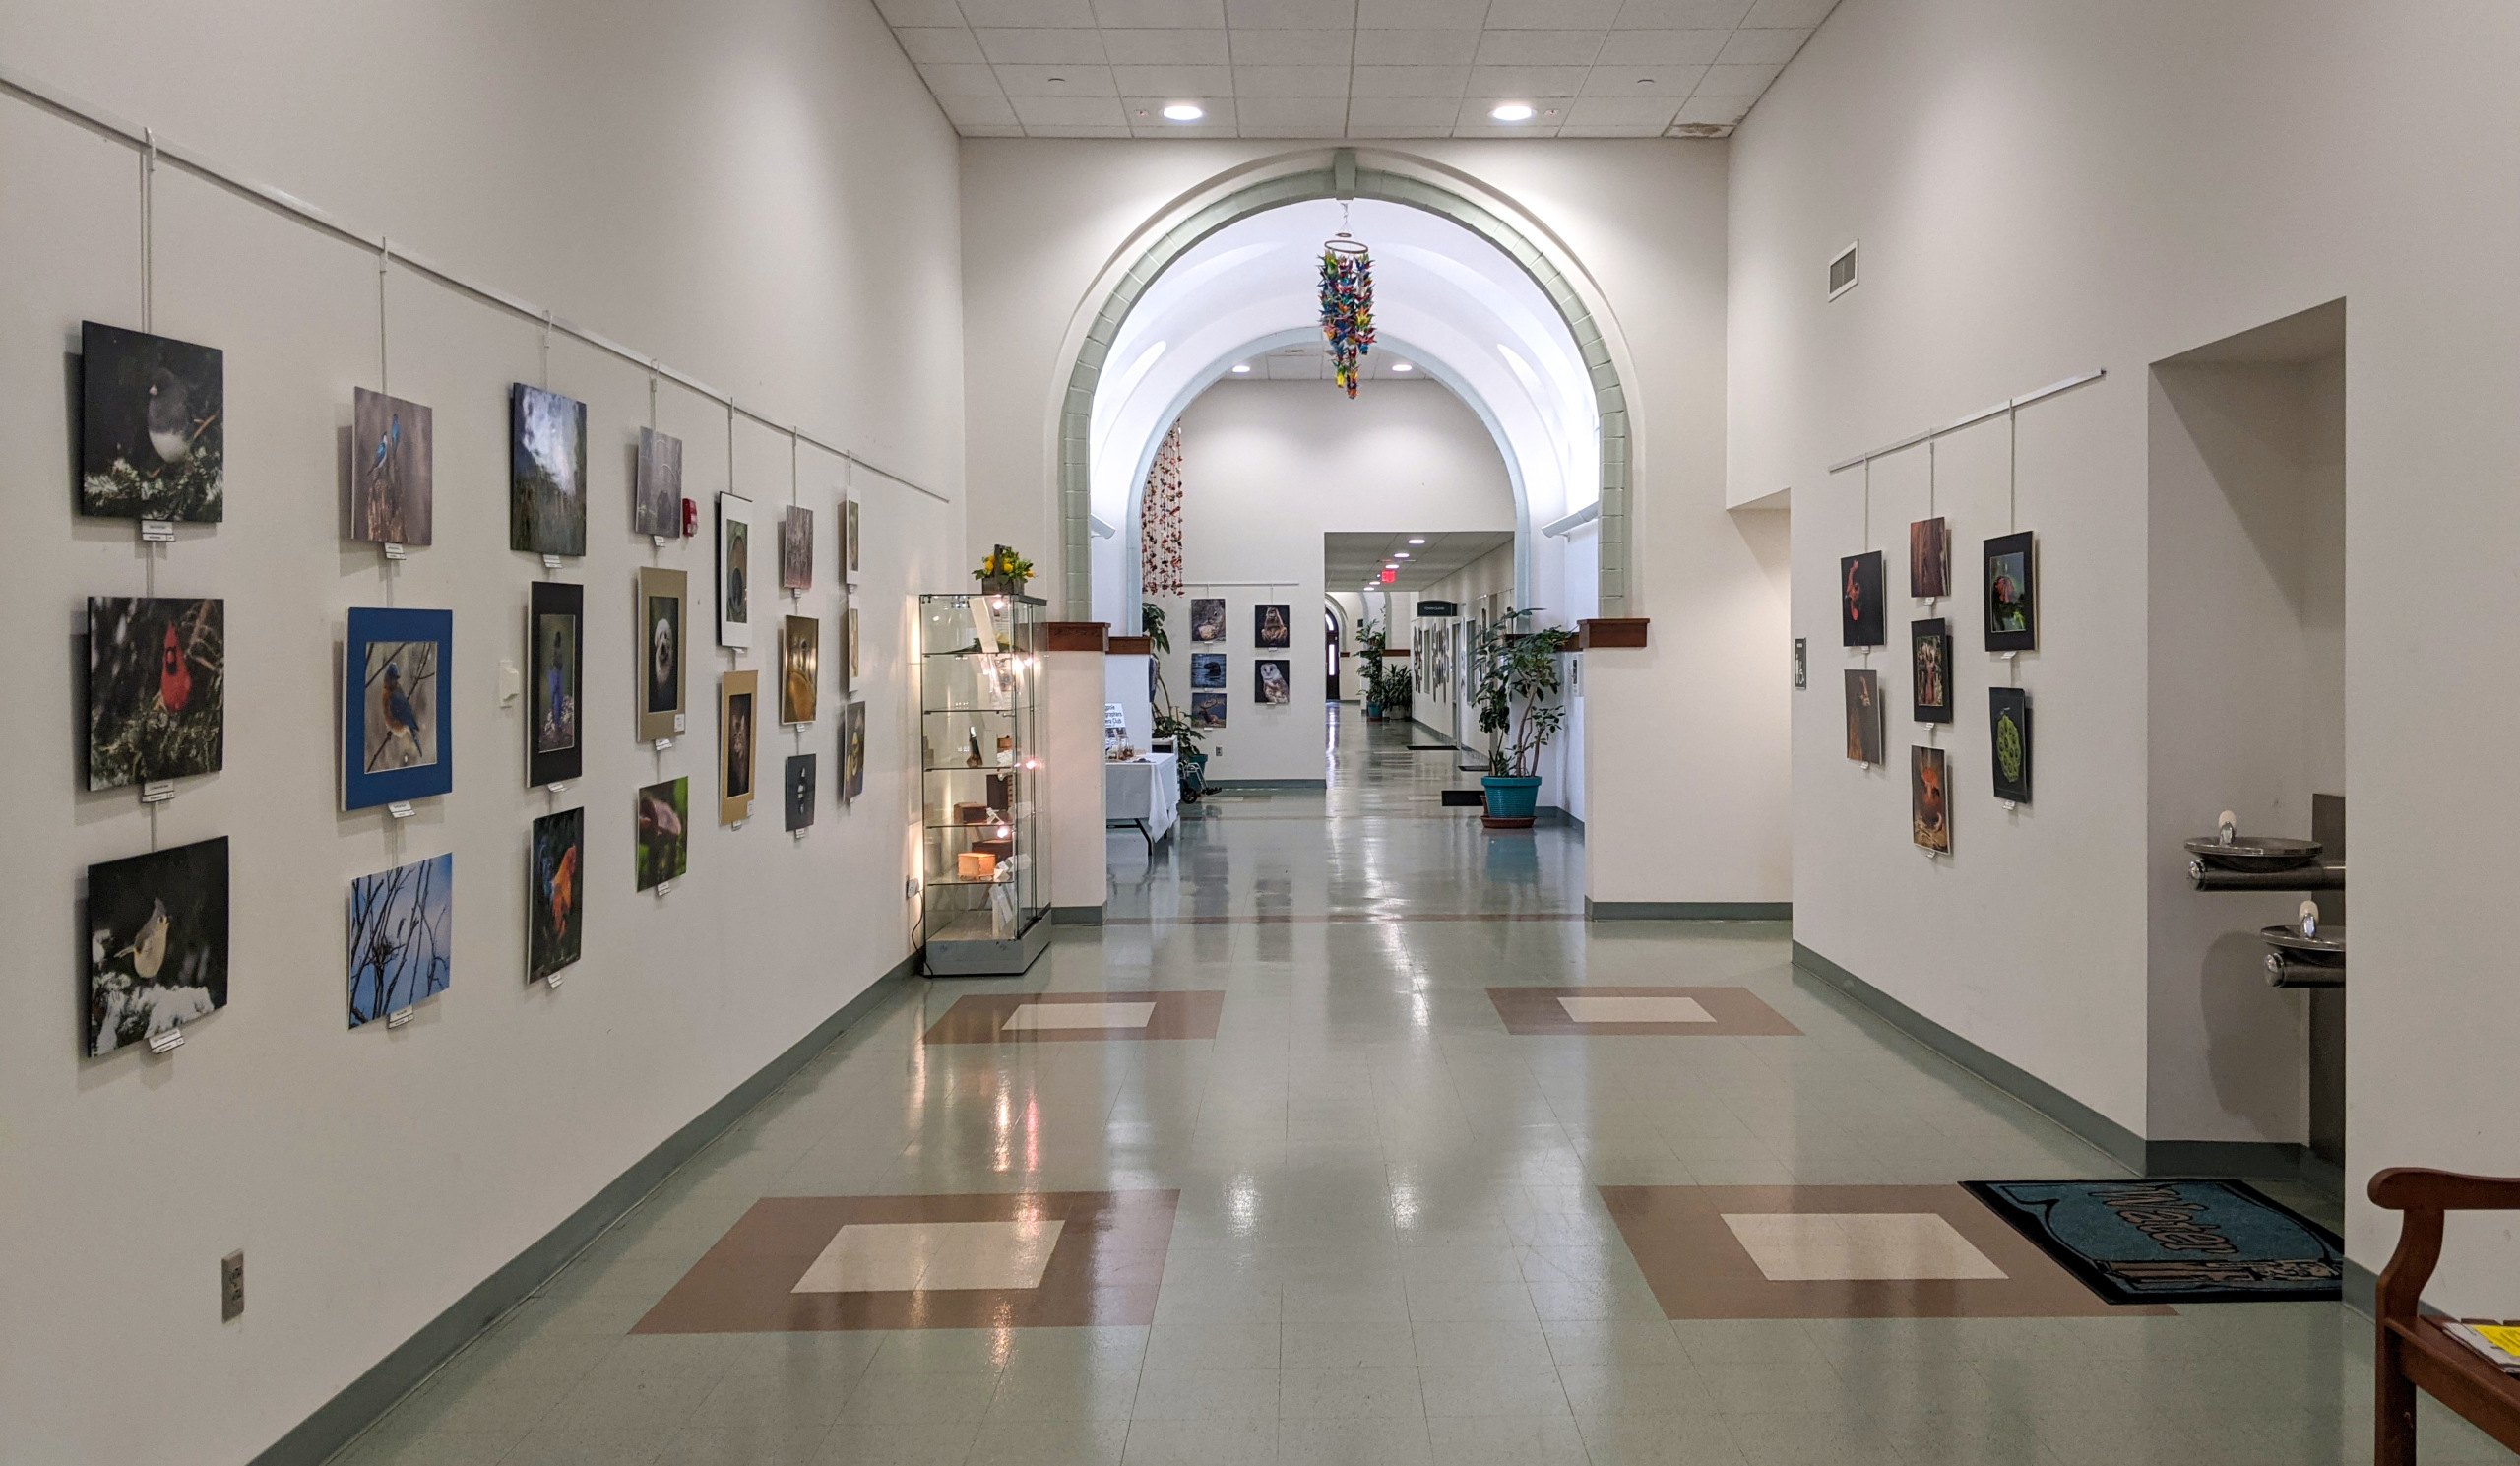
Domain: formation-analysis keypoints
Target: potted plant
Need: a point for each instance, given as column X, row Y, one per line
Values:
column 1372, row 645
column 1514, row 685
column 1170, row 722
column 1004, row 572
column 1394, row 693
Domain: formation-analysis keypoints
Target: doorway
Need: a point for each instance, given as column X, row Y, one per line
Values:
column 1330, row 653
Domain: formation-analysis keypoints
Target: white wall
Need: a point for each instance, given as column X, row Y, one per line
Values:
column 729, row 188
column 1644, row 224
column 1269, row 467
column 2040, row 193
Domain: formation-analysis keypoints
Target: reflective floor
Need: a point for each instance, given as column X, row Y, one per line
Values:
column 1266, row 1172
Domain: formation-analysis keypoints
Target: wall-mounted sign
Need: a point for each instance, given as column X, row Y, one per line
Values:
column 1438, row 608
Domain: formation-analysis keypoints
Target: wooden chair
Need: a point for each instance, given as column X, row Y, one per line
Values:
column 2413, row 1351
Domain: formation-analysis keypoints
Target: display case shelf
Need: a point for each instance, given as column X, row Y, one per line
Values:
column 980, row 670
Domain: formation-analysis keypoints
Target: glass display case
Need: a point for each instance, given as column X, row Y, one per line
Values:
column 983, row 901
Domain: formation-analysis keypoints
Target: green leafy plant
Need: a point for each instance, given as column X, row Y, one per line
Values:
column 1515, row 685
column 1170, row 720
column 1373, row 644
column 1392, row 689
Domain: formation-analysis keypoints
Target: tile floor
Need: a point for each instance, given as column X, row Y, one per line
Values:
column 1365, row 1221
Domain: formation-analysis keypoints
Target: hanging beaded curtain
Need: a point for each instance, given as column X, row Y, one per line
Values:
column 1159, row 547
column 1346, row 305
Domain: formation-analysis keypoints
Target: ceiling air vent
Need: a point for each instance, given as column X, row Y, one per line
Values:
column 1842, row 272
column 1701, row 130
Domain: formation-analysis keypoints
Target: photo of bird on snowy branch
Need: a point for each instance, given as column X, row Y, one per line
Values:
column 401, row 938
column 153, row 439
column 156, row 689
column 395, row 740
column 157, row 942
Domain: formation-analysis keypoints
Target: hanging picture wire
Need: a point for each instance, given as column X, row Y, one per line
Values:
column 1346, row 304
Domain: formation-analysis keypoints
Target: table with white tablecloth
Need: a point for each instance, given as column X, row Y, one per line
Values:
column 1145, row 792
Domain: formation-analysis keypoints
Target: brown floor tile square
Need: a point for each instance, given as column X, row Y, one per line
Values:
column 984, row 1017
column 1733, row 1011
column 1104, row 1268
column 1699, row 1266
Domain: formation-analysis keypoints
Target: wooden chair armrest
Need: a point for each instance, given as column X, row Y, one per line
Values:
column 2414, row 1188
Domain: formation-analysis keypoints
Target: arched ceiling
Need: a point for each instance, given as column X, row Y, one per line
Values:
column 1463, row 310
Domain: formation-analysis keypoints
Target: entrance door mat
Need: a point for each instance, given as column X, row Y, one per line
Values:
column 2172, row 1242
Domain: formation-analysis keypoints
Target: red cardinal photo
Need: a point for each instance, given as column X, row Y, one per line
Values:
column 175, row 676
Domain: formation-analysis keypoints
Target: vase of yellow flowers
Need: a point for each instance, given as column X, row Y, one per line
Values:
column 1004, row 572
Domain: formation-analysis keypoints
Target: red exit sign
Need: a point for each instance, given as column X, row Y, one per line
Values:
column 1388, row 576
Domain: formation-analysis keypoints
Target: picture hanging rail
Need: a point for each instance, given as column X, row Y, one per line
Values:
column 155, row 146
column 2009, row 405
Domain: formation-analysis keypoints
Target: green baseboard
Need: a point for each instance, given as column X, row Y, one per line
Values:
column 1076, row 915
column 1687, row 911
column 339, row 1421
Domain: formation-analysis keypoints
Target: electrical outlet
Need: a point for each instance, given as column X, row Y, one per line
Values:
column 231, row 1287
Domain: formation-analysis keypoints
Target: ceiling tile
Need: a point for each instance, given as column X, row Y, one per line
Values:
column 938, row 43
column 1292, row 47
column 1057, row 81
column 1772, row 47
column 1158, row 13
column 989, row 129
column 1801, row 13
column 1682, row 15
column 1412, row 118
column 1540, row 47
column 1168, row 47
column 1412, row 81
column 919, row 11
column 977, row 111
column 1416, row 47
column 1027, row 12
column 1525, row 83
column 1674, row 82
column 1011, row 45
column 1738, row 81
column 1054, row 129
column 1174, row 83
column 1036, row 112
column 1551, row 15
column 1648, row 114
column 1402, row 15
column 1290, row 81
column 1285, row 117
column 1291, row 15
column 1666, row 47
column 959, row 80
column 1607, row 130
column 1725, row 109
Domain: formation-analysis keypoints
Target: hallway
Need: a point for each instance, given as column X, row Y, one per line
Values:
column 1391, row 1242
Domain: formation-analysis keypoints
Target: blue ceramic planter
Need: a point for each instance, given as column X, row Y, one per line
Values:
column 1511, row 798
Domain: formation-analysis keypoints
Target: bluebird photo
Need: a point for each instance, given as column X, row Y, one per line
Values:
column 554, row 682
column 390, row 491
column 546, row 472
column 157, row 942
column 401, row 938
column 152, row 434
column 400, row 695
column 556, row 924
column 156, row 689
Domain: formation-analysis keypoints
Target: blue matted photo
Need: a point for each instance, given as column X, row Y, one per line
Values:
column 396, row 742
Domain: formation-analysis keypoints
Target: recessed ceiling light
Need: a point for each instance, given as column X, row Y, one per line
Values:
column 1185, row 111
column 1416, row 539
column 1400, row 554
column 1507, row 111
column 1402, row 366
column 1241, row 367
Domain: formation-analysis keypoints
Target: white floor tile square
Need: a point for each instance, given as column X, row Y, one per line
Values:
column 1079, row 1015
column 1635, row 1010
column 1802, row 1247
column 929, row 1257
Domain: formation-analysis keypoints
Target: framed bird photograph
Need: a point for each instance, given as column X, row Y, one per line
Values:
column 850, row 549
column 1929, row 670
column 2008, row 709
column 664, row 814
column 1207, row 618
column 546, row 472
column 1272, row 687
column 1929, row 558
column 852, row 753
column 738, row 728
column 801, row 658
column 1207, row 710
column 157, row 942
column 1864, row 716
column 152, row 434
column 156, row 689
column 799, row 785
column 555, row 855
column 401, row 938
column 556, row 640
column 1207, row 669
column 854, row 664
column 735, row 570
column 1272, row 626
column 656, row 486
column 1930, row 798
column 1860, row 613
column 2012, row 593
column 396, row 743
column 392, row 446
column 797, row 548
column 661, row 603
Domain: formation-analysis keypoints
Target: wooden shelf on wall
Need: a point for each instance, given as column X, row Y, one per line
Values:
column 1622, row 631
column 1077, row 636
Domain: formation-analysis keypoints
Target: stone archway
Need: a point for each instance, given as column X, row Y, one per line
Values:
column 1342, row 179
